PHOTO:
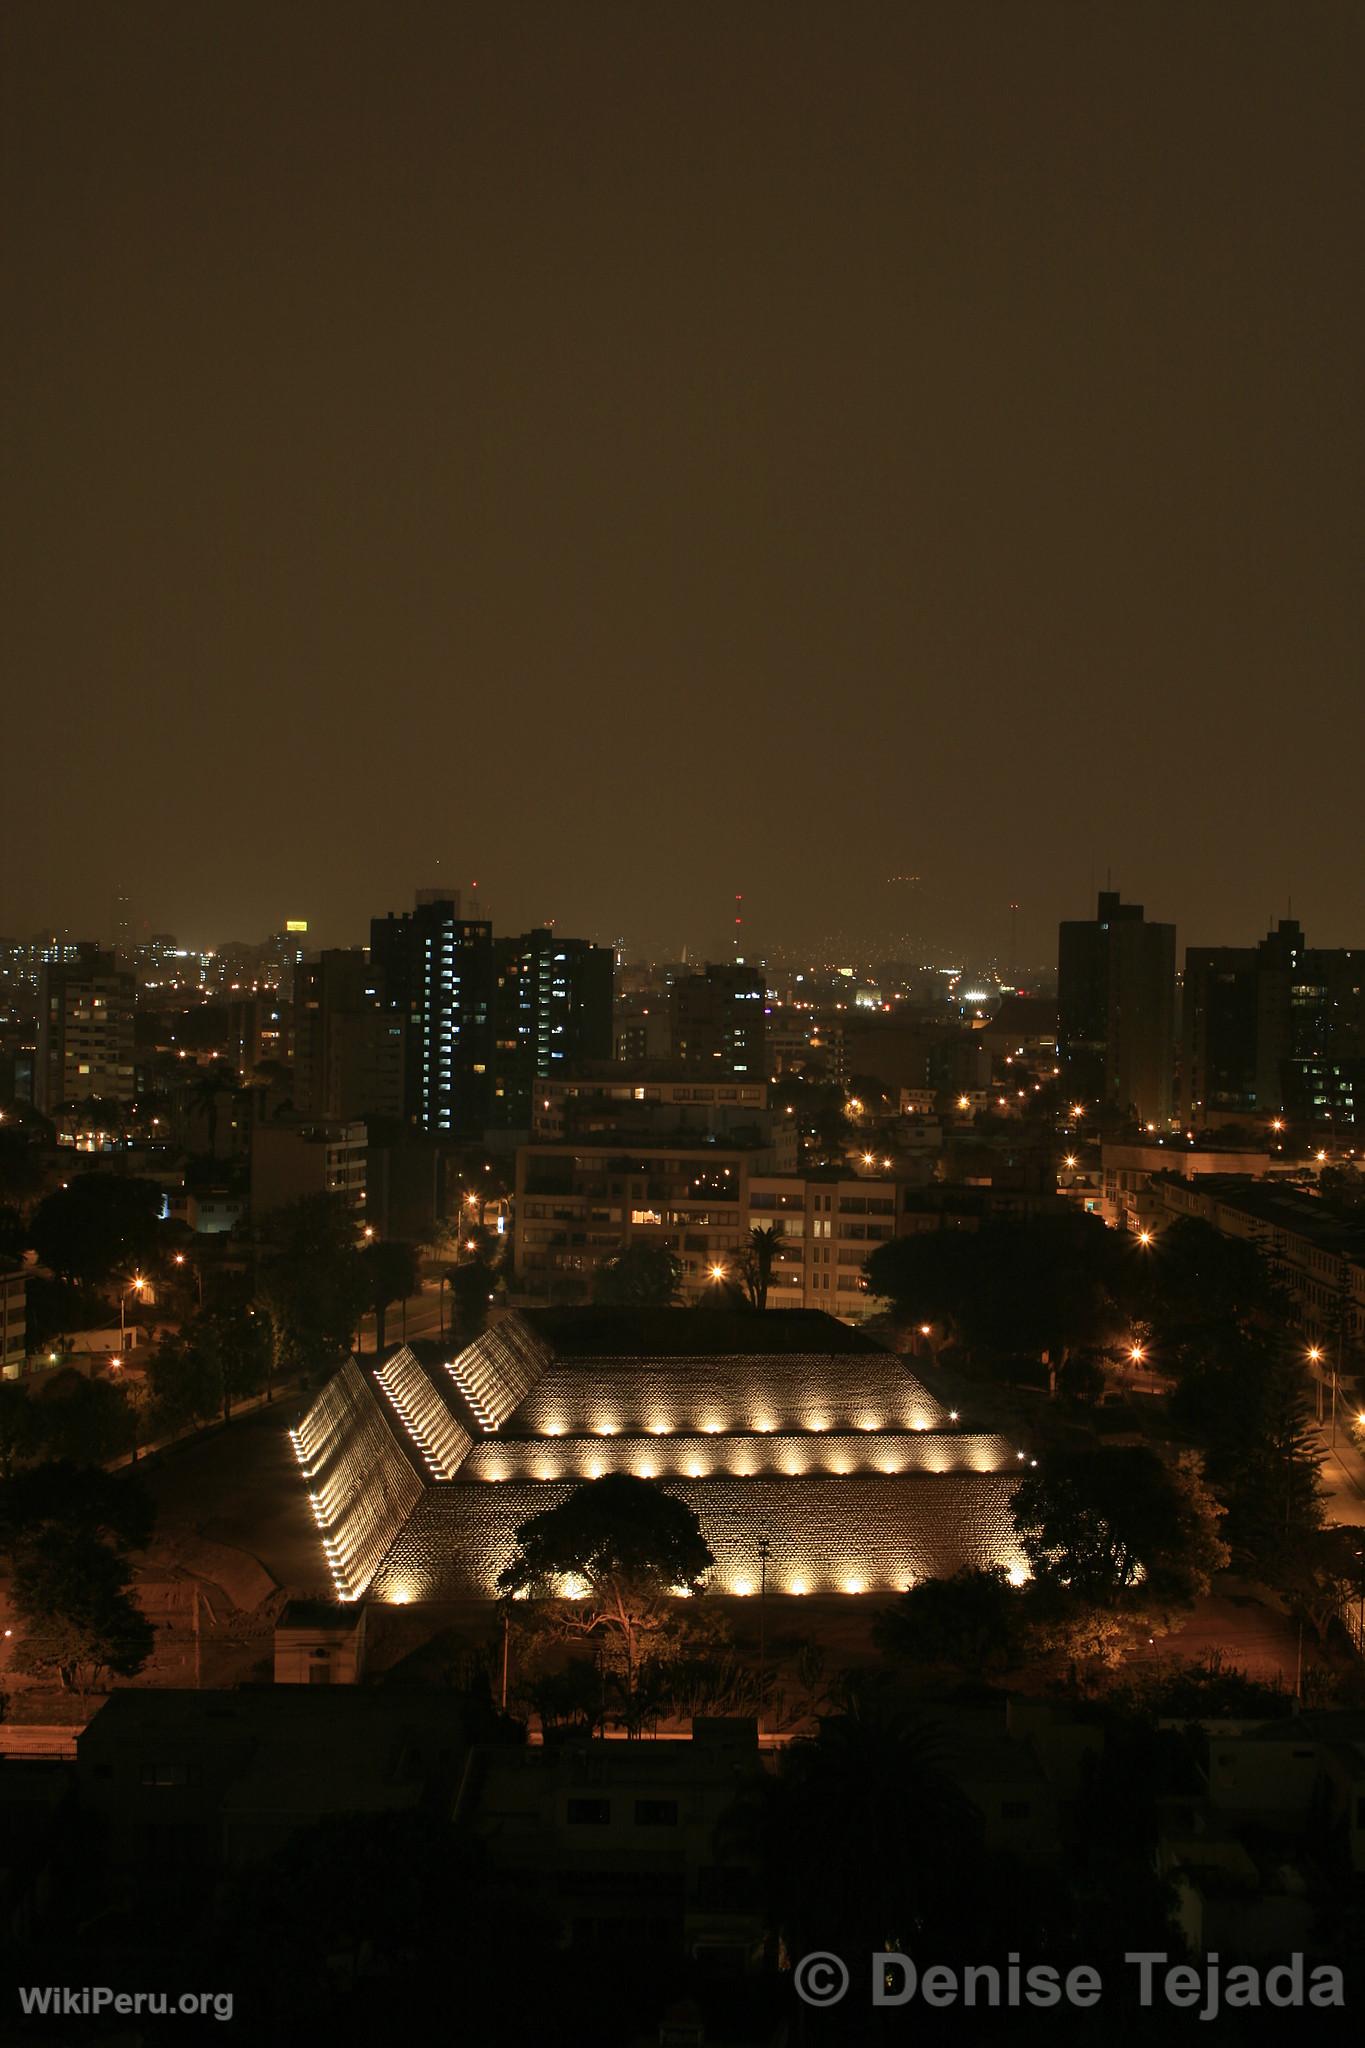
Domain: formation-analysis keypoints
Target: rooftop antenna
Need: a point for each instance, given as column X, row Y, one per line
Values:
column 739, row 926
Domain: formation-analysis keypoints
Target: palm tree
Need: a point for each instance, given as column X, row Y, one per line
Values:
column 204, row 1092
column 855, row 1834
column 758, row 1263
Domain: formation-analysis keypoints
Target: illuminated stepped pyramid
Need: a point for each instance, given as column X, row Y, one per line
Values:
column 785, row 1428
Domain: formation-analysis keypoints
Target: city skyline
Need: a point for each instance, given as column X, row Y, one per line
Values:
column 823, row 950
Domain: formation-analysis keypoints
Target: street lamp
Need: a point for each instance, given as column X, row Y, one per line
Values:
column 135, row 1286
column 179, row 1259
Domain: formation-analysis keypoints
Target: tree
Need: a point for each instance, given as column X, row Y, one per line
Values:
column 642, row 1276
column 21, row 1165
column 1100, row 1522
column 391, row 1272
column 1193, row 1282
column 471, row 1287
column 1322, row 1572
column 617, row 1551
column 1049, row 1285
column 1244, row 1396
column 66, row 1531
column 53, row 1307
column 1082, row 1379
column 758, row 1263
column 58, row 1495
column 975, row 1620
column 20, row 1435
column 205, row 1093
column 96, row 1226
column 76, row 1615
column 84, row 1420
column 1090, row 1636
column 13, row 1232
column 311, row 1274
column 184, row 1383
column 236, row 1345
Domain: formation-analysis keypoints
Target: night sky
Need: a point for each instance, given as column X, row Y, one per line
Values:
column 630, row 453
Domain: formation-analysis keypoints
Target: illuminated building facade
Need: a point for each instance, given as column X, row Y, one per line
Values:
column 795, row 1440
column 1276, row 1028
column 826, row 1229
column 553, row 1012
column 435, row 969
column 583, row 1203
column 85, row 1031
column 718, row 1021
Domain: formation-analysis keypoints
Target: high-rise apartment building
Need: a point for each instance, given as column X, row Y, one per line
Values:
column 85, row 1030
column 349, row 1049
column 553, row 1014
column 718, row 1020
column 1116, row 1010
column 1274, row 1029
column 435, row 970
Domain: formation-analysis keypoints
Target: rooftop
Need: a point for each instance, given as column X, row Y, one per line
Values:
column 632, row 1334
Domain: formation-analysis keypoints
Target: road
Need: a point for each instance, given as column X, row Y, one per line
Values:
column 241, row 1486
column 421, row 1315
column 1343, row 1478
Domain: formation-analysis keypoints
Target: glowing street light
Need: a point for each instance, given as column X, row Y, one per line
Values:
column 1144, row 1237
column 136, row 1286
column 1136, row 1353
column 717, row 1272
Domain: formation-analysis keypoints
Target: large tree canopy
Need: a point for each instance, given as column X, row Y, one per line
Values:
column 58, row 1494
column 619, row 1549
column 1101, row 1522
column 642, row 1276
column 1010, row 1288
column 99, row 1225
column 975, row 1621
column 66, row 1531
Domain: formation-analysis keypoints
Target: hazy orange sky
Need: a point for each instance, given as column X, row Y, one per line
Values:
column 631, row 453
